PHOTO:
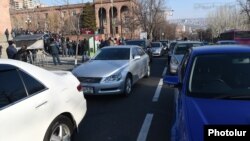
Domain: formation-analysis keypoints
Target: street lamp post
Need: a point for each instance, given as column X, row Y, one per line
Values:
column 28, row 22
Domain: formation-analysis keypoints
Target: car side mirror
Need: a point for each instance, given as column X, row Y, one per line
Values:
column 137, row 57
column 172, row 81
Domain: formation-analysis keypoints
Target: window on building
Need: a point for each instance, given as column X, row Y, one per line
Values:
column 46, row 15
column 116, row 29
column 74, row 13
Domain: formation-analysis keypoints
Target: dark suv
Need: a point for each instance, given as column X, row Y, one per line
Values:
column 145, row 44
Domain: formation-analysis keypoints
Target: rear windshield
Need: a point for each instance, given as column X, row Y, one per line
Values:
column 138, row 43
column 155, row 45
column 183, row 48
column 222, row 76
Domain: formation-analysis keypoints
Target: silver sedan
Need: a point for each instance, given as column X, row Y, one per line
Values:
column 113, row 70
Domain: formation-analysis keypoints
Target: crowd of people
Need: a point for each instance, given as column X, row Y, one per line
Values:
column 56, row 45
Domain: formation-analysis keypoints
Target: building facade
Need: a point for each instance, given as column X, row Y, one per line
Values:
column 24, row 4
column 111, row 18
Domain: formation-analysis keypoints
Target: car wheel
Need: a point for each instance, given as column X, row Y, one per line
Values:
column 148, row 71
column 128, row 86
column 61, row 129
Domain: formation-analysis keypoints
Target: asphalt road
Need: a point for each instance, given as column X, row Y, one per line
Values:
column 145, row 115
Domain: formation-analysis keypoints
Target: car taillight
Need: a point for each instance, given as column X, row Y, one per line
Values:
column 79, row 88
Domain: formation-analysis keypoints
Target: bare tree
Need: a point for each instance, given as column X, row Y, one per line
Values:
column 225, row 18
column 149, row 13
column 245, row 8
column 53, row 22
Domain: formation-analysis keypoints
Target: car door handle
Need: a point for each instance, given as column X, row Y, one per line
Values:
column 41, row 104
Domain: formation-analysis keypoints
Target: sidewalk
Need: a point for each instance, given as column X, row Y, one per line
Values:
column 67, row 63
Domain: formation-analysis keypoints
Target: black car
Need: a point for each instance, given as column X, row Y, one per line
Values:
column 145, row 44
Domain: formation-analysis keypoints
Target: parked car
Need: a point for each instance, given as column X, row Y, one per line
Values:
column 227, row 42
column 170, row 50
column 179, row 51
column 113, row 70
column 38, row 105
column 157, row 49
column 145, row 44
column 213, row 89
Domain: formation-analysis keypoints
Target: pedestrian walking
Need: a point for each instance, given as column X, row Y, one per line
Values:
column 70, row 48
column 55, row 52
column 1, row 47
column 7, row 34
column 11, row 50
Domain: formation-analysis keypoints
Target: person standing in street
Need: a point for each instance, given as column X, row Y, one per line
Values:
column 22, row 54
column 11, row 50
column 55, row 52
column 7, row 34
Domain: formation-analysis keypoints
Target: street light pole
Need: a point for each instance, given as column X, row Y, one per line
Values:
column 28, row 22
column 112, row 17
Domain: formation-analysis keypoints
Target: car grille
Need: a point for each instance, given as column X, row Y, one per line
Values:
column 89, row 79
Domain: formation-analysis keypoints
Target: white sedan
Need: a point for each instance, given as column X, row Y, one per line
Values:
column 38, row 105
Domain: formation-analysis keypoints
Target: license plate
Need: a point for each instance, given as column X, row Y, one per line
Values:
column 88, row 90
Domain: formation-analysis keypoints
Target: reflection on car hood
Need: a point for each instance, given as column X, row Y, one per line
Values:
column 99, row 68
column 215, row 111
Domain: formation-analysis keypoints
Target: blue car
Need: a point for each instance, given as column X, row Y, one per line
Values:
column 212, row 88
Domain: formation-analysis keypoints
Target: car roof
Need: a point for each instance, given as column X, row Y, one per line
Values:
column 221, row 49
column 226, row 41
column 137, row 40
column 189, row 42
column 46, row 77
column 121, row 46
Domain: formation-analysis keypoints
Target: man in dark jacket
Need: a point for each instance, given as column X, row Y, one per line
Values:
column 55, row 52
column 11, row 50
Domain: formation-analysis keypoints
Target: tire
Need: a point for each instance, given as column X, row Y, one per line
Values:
column 148, row 71
column 62, row 123
column 128, row 86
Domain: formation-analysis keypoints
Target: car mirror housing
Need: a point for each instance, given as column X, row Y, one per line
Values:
column 172, row 81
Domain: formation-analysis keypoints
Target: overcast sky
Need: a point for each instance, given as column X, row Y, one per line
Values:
column 182, row 8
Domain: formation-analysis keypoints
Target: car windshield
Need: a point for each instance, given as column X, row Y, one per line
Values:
column 183, row 48
column 138, row 43
column 113, row 54
column 221, row 76
column 155, row 45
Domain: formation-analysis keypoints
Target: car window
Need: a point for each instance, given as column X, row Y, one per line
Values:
column 221, row 76
column 140, row 51
column 113, row 54
column 134, row 52
column 183, row 66
column 11, row 88
column 32, row 85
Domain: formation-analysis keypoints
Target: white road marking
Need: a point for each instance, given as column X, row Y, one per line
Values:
column 158, row 91
column 164, row 71
column 145, row 128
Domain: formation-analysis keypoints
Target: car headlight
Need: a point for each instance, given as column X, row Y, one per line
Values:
column 112, row 78
column 174, row 60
